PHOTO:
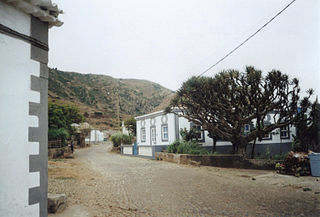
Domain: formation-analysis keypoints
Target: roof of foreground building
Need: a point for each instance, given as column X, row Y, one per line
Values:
column 45, row 10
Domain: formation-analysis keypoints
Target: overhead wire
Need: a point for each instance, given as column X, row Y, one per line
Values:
column 247, row 39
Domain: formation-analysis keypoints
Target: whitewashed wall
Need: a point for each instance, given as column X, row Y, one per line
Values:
column 146, row 122
column 16, row 69
column 138, row 132
column 276, row 138
column 95, row 136
column 124, row 129
column 15, row 19
column 127, row 150
column 157, row 121
column 145, row 150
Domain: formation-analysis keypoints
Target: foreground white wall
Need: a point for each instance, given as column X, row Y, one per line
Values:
column 24, row 108
column 16, row 69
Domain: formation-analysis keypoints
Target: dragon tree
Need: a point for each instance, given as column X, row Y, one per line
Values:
column 225, row 103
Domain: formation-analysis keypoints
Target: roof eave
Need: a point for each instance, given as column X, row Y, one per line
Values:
column 45, row 10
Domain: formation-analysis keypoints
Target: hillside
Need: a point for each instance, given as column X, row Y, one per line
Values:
column 103, row 98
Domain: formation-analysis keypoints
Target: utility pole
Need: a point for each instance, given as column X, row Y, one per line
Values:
column 118, row 105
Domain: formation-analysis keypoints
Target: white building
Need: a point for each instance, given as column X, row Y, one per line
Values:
column 95, row 136
column 124, row 129
column 155, row 131
column 24, row 105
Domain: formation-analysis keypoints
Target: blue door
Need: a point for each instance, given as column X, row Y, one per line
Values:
column 135, row 149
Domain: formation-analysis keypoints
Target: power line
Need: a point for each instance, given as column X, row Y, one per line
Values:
column 247, row 39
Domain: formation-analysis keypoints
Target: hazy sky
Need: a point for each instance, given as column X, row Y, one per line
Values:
column 167, row 41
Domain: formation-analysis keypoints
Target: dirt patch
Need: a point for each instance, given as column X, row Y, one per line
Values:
column 106, row 184
column 116, row 150
column 68, row 169
column 84, row 188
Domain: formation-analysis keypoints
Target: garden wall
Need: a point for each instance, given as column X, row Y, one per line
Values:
column 127, row 149
column 227, row 161
column 58, row 152
column 270, row 149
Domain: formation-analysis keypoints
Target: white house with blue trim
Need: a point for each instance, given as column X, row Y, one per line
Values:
column 157, row 130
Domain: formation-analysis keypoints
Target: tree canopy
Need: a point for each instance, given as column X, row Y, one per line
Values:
column 189, row 135
column 60, row 118
column 225, row 103
column 308, row 129
column 130, row 124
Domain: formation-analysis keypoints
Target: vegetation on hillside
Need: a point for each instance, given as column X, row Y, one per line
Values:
column 114, row 99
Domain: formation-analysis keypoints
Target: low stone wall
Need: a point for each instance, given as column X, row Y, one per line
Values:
column 260, row 149
column 263, row 163
column 227, row 161
column 145, row 151
column 127, row 149
column 58, row 152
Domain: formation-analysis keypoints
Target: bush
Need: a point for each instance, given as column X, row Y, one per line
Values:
column 55, row 134
column 187, row 147
column 172, row 148
column 282, row 156
column 60, row 118
column 120, row 138
column 267, row 156
column 189, row 135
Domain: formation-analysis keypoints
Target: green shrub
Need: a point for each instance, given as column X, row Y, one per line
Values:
column 172, row 148
column 282, row 156
column 55, row 134
column 62, row 116
column 120, row 138
column 187, row 147
column 189, row 135
column 267, row 156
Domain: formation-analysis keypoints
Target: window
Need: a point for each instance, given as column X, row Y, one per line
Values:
column 153, row 135
column 267, row 136
column 199, row 136
column 246, row 128
column 284, row 132
column 199, row 132
column 143, row 134
column 164, row 132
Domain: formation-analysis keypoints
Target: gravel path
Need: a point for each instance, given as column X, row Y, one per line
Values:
column 100, row 183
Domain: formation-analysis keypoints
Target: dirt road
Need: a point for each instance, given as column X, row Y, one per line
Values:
column 100, row 183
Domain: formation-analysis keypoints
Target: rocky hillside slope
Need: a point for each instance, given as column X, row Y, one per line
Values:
column 105, row 100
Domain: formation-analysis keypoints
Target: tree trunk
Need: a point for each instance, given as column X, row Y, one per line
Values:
column 239, row 148
column 214, row 145
column 242, row 151
column 253, row 149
